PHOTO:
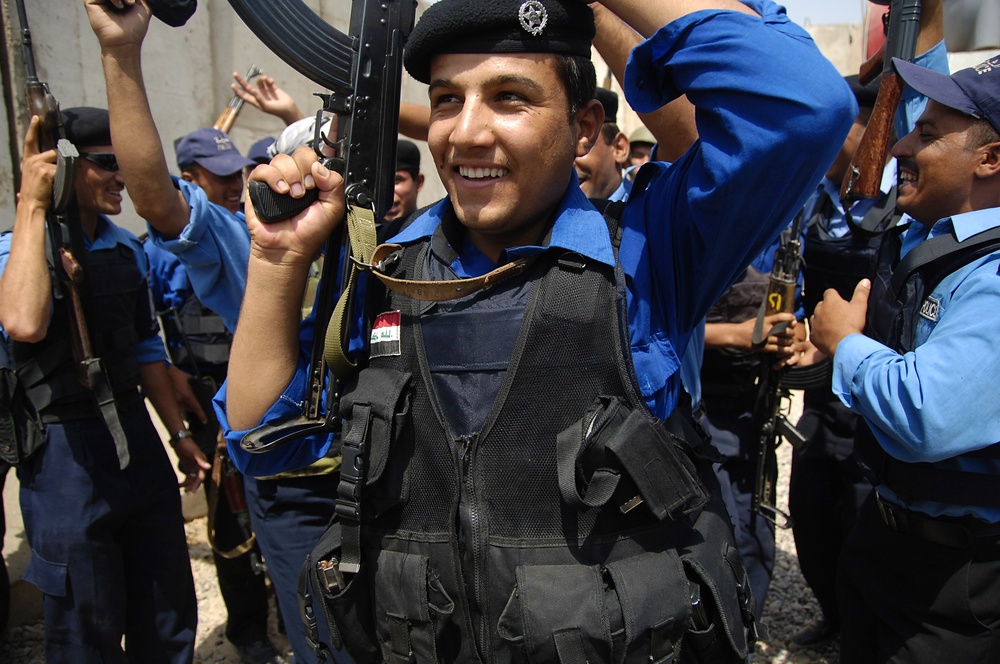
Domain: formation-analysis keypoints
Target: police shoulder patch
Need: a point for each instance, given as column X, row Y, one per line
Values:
column 930, row 309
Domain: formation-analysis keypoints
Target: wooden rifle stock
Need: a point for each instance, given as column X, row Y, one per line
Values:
column 227, row 118
column 864, row 175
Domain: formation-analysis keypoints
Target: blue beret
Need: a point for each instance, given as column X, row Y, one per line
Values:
column 563, row 27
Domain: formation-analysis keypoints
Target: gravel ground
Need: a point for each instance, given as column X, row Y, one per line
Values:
column 790, row 606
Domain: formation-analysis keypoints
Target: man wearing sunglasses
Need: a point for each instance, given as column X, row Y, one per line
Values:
column 104, row 524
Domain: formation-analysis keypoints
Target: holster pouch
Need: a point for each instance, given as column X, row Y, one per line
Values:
column 21, row 430
column 619, row 455
column 615, row 452
column 379, row 398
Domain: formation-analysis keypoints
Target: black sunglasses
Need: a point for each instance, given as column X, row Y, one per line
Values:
column 105, row 160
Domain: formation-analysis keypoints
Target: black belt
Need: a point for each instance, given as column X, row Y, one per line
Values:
column 954, row 532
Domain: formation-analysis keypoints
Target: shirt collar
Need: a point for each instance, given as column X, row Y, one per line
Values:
column 967, row 224
column 578, row 227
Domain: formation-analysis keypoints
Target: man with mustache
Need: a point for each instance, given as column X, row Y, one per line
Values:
column 914, row 352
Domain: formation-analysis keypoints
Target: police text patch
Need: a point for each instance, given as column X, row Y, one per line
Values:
column 385, row 335
column 930, row 309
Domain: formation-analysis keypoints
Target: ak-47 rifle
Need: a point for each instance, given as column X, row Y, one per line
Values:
column 865, row 172
column 65, row 240
column 769, row 420
column 363, row 73
column 228, row 117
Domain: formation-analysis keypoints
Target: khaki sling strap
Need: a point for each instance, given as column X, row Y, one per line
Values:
column 367, row 257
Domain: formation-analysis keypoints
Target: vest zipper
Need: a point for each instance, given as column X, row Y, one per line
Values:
column 469, row 522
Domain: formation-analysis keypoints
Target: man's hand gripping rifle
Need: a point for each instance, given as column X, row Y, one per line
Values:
column 770, row 421
column 362, row 72
column 65, row 239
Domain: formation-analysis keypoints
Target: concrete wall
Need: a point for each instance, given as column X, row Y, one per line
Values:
column 187, row 73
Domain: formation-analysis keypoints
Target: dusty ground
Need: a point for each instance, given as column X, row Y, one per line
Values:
column 790, row 605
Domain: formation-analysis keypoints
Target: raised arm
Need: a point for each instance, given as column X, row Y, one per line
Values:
column 25, row 287
column 265, row 348
column 267, row 97
column 673, row 125
column 133, row 131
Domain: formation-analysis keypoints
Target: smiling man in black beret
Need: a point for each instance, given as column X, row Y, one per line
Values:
column 99, row 498
column 527, row 490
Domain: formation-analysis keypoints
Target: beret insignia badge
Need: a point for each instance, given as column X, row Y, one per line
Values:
column 533, row 17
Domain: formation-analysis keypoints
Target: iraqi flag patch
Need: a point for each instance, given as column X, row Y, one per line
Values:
column 385, row 335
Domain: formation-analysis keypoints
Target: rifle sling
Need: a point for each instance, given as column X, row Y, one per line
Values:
column 367, row 257
column 105, row 398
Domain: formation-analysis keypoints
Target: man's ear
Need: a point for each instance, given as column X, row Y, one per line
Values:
column 187, row 176
column 420, row 181
column 989, row 164
column 589, row 120
column 620, row 148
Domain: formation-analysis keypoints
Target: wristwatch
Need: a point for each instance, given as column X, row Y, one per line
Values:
column 180, row 435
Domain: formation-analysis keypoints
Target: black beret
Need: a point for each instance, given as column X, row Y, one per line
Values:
column 564, row 27
column 609, row 100
column 174, row 13
column 86, row 126
column 865, row 94
column 407, row 157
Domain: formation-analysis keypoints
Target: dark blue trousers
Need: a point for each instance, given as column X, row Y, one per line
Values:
column 108, row 545
column 289, row 515
column 729, row 423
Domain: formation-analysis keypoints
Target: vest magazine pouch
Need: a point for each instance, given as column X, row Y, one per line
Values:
column 655, row 608
column 412, row 606
column 720, row 592
column 622, row 455
column 381, row 398
column 344, row 602
column 556, row 614
column 21, row 430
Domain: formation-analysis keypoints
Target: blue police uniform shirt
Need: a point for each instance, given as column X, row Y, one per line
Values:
column 168, row 280
column 107, row 236
column 765, row 123
column 214, row 248
column 939, row 400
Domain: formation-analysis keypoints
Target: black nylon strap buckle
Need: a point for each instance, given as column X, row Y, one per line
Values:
column 352, row 480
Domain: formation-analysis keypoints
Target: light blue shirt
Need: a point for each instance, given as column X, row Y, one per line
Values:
column 771, row 116
column 214, row 248
column 941, row 399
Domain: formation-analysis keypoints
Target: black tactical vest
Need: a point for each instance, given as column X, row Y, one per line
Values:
column 196, row 337
column 900, row 290
column 841, row 262
column 562, row 523
column 119, row 317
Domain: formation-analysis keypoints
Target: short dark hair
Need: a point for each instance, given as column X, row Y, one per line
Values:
column 982, row 133
column 580, row 78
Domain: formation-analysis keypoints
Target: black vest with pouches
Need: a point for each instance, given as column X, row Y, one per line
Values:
column 48, row 368
column 900, row 290
column 569, row 526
